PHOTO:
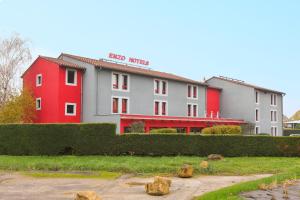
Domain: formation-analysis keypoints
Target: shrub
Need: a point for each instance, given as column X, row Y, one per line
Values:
column 288, row 132
column 137, row 127
column 164, row 130
column 222, row 130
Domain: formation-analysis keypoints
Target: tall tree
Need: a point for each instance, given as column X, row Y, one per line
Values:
column 14, row 52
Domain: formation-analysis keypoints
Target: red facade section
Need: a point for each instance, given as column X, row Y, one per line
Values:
column 213, row 103
column 53, row 91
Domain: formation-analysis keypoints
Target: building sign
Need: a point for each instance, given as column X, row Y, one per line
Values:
column 130, row 59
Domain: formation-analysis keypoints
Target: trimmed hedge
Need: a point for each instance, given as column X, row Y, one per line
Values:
column 222, row 130
column 100, row 139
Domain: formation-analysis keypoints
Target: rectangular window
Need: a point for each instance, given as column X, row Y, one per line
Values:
column 256, row 97
column 189, row 91
column 273, row 99
column 274, row 131
column 257, row 130
column 156, row 87
column 195, row 110
column 195, row 92
column 38, row 103
column 115, row 106
column 125, row 82
column 124, row 106
column 156, row 108
column 70, row 109
column 164, row 87
column 163, row 108
column 71, row 77
column 189, row 110
column 38, row 80
column 272, row 115
column 275, row 116
column 256, row 115
column 115, row 81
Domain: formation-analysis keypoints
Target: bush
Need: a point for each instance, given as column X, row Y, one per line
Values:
column 137, row 127
column 288, row 132
column 164, row 130
column 100, row 139
column 223, row 130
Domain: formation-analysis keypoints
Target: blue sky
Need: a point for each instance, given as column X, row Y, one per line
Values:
column 256, row 41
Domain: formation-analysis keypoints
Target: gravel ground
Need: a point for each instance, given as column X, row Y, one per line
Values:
column 14, row 186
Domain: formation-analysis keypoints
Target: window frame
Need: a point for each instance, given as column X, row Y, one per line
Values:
column 120, row 105
column 274, row 130
column 192, row 91
column 37, row 84
column 257, row 97
column 36, row 100
column 160, row 87
column 192, row 109
column 274, row 116
column 257, row 130
column 120, row 81
column 257, row 115
column 74, row 109
column 273, row 99
column 67, row 77
column 160, row 103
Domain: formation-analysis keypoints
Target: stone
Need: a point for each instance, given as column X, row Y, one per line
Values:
column 87, row 195
column 215, row 157
column 204, row 164
column 186, row 171
column 160, row 186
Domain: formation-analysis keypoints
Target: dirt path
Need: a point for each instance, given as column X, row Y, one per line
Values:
column 17, row 187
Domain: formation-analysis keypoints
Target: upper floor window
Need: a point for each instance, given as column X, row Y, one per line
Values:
column 160, row 107
column 160, row 87
column 71, row 77
column 38, row 81
column 120, row 105
column 273, row 116
column 256, row 97
column 38, row 103
column 192, row 91
column 70, row 109
column 273, row 99
column 120, row 81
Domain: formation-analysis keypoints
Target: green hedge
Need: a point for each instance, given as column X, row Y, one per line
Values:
column 100, row 139
column 164, row 130
column 222, row 130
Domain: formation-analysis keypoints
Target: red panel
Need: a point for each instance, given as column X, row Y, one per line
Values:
column 53, row 92
column 213, row 102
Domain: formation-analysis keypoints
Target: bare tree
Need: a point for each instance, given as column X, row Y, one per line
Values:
column 14, row 52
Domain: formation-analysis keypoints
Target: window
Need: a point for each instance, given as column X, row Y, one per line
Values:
column 189, row 110
column 115, row 81
column 273, row 99
column 124, row 106
column 38, row 81
column 160, row 107
column 192, row 110
column 192, row 91
column 120, row 105
column 164, row 87
column 71, row 77
column 70, row 109
column 256, row 97
column 160, row 87
column 273, row 116
column 256, row 115
column 115, row 105
column 125, row 82
column 38, row 103
column 257, row 130
column 189, row 91
column 274, row 131
column 120, row 81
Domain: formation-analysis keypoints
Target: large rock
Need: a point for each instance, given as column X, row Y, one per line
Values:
column 87, row 195
column 186, row 171
column 160, row 186
column 215, row 157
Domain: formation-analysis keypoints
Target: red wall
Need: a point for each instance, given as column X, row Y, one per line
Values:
column 213, row 102
column 53, row 91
